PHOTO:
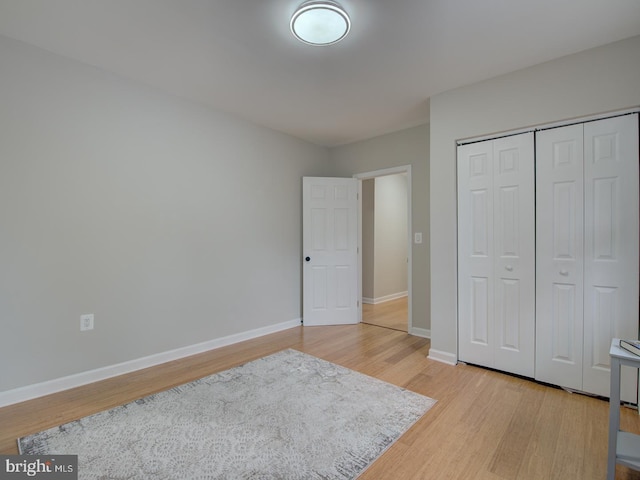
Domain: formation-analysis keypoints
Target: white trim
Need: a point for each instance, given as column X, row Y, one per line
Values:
column 493, row 136
column 385, row 298
column 588, row 118
column 546, row 126
column 444, row 357
column 359, row 249
column 420, row 332
column 64, row 383
column 381, row 173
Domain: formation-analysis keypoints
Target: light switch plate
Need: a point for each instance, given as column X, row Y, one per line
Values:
column 86, row 322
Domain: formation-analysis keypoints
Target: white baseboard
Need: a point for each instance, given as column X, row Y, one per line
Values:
column 444, row 357
column 420, row 332
column 385, row 298
column 64, row 383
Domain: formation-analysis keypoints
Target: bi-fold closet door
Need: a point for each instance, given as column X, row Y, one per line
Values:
column 587, row 251
column 496, row 252
column 546, row 280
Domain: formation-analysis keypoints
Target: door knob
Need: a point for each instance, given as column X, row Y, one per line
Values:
column 509, row 268
column 564, row 272
column 307, row 259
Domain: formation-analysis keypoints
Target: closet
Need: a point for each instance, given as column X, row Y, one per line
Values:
column 548, row 252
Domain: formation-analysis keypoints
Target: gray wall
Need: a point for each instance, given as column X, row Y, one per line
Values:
column 384, row 237
column 173, row 223
column 390, row 275
column 594, row 81
column 406, row 147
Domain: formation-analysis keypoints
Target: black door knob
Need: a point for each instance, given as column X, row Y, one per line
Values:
column 307, row 259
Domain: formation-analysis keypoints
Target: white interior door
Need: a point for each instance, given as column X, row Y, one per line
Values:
column 330, row 251
column 475, row 254
column 559, row 256
column 496, row 258
column 514, row 250
column 610, row 247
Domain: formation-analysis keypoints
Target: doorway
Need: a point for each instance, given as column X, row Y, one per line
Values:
column 385, row 248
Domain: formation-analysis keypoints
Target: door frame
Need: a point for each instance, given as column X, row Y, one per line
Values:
column 403, row 169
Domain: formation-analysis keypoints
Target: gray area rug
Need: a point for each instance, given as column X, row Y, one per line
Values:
column 285, row 416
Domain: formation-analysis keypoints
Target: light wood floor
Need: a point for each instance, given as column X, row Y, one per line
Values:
column 486, row 425
column 392, row 314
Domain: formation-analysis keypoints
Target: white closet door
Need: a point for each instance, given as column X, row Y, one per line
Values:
column 587, row 251
column 496, row 254
column 611, row 247
column 559, row 256
column 475, row 253
column 514, row 254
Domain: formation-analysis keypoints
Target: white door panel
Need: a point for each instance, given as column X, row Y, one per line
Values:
column 496, row 254
column 330, row 275
column 514, row 250
column 559, row 253
column 475, row 253
column 611, row 247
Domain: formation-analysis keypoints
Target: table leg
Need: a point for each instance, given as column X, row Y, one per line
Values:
column 614, row 417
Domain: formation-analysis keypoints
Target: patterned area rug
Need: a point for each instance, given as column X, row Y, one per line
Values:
column 285, row 416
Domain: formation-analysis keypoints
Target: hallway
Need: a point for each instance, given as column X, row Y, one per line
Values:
column 392, row 314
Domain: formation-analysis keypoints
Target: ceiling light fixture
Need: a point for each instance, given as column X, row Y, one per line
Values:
column 320, row 23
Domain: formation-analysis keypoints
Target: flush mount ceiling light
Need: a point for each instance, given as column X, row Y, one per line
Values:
column 320, row 23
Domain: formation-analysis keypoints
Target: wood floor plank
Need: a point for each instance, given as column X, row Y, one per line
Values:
column 544, row 437
column 569, row 456
column 516, row 440
column 485, row 425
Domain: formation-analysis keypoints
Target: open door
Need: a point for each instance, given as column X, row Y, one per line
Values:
column 330, row 251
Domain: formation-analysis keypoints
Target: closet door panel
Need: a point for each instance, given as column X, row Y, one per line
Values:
column 475, row 253
column 559, row 254
column 514, row 253
column 611, row 247
column 496, row 288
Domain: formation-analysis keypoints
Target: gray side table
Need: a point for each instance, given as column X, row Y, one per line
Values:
column 624, row 447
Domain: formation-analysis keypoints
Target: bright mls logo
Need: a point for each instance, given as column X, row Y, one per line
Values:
column 50, row 467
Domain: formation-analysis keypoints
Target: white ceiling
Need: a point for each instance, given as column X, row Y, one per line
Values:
column 239, row 56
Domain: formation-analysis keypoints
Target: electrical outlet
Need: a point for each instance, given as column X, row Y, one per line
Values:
column 86, row 322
